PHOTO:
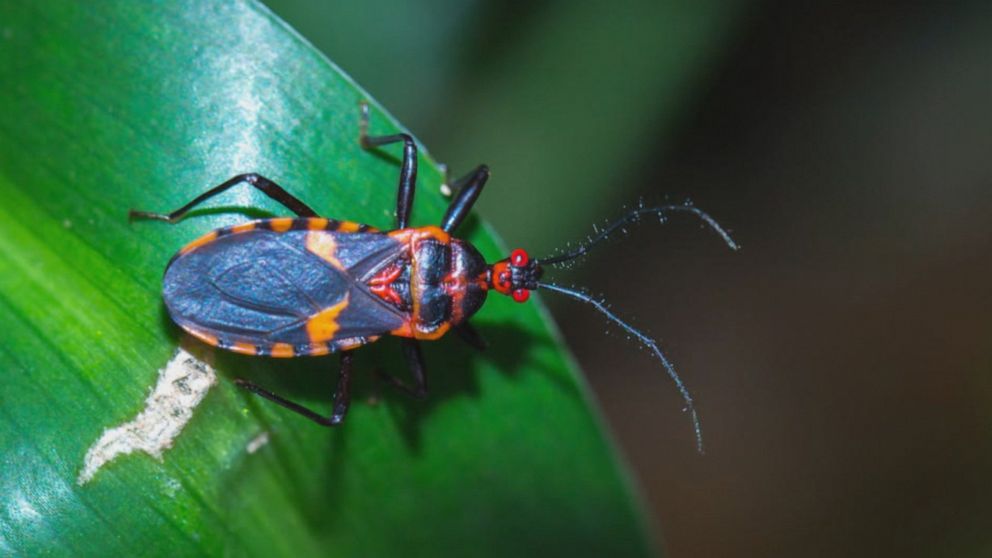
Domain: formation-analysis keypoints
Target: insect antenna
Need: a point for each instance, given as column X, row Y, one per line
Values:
column 648, row 342
column 634, row 215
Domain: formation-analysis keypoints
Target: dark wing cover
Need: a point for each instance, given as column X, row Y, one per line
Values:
column 260, row 287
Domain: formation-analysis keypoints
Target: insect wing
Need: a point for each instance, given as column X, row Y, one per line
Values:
column 254, row 290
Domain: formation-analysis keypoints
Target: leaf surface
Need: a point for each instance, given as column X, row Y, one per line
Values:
column 116, row 105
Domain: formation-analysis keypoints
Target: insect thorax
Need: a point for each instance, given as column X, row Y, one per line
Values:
column 438, row 282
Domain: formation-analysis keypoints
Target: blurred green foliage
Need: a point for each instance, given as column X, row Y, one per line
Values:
column 564, row 100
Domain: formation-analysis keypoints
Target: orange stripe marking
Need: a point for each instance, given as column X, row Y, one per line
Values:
column 282, row 350
column 317, row 224
column 348, row 226
column 411, row 236
column 405, row 330
column 319, row 349
column 205, row 337
column 281, row 224
column 432, row 335
column 243, row 227
column 322, row 244
column 244, row 348
column 207, row 238
column 322, row 326
column 410, row 329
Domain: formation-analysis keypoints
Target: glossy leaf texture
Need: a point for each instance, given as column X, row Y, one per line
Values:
column 115, row 105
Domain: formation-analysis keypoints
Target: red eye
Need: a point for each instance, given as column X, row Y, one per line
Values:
column 521, row 295
column 519, row 258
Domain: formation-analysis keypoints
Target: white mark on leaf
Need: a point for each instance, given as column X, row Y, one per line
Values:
column 181, row 386
column 258, row 442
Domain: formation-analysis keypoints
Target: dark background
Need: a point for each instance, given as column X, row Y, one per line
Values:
column 840, row 361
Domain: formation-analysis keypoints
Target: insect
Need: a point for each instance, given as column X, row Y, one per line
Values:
column 310, row 286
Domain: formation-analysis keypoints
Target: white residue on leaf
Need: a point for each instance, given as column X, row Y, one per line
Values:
column 181, row 386
column 258, row 442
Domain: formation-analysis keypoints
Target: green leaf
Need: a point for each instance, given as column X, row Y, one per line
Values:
column 116, row 105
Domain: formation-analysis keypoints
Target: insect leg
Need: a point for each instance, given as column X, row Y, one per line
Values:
column 265, row 185
column 415, row 359
column 342, row 396
column 470, row 335
column 468, row 187
column 408, row 170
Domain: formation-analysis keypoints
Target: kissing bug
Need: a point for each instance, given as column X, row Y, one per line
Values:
column 310, row 286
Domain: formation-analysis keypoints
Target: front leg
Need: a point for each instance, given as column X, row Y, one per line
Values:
column 467, row 190
column 408, row 170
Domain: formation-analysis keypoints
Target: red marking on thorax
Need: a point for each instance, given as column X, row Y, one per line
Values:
column 454, row 282
column 381, row 284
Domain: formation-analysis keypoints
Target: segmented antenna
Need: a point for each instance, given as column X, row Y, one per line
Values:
column 634, row 215
column 647, row 341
